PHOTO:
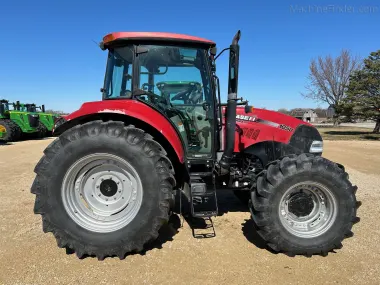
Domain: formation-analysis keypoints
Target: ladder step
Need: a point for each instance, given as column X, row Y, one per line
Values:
column 201, row 174
column 205, row 214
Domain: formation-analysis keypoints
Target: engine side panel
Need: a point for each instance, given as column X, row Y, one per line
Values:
column 263, row 125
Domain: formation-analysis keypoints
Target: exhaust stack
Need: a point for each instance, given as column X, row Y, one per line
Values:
column 233, row 75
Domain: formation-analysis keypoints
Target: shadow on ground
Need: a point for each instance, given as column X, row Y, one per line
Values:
column 251, row 234
column 348, row 133
column 354, row 134
column 2, row 143
column 228, row 202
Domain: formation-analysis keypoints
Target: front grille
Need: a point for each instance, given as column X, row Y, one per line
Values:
column 33, row 120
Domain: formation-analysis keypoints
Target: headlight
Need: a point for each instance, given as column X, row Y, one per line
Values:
column 316, row 147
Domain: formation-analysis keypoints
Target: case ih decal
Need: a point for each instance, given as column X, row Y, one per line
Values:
column 257, row 120
column 246, row 118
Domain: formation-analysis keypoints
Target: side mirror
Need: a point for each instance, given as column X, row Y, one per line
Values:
column 248, row 109
column 213, row 51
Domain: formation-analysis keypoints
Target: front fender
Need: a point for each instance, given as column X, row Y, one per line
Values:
column 127, row 107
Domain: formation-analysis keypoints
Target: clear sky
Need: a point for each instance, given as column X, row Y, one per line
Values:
column 47, row 53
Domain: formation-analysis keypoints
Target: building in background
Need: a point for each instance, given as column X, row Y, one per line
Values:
column 306, row 115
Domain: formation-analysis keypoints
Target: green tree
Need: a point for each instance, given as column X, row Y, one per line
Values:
column 363, row 92
column 55, row 112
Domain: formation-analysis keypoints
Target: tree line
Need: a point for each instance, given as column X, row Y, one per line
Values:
column 321, row 112
column 348, row 84
column 51, row 111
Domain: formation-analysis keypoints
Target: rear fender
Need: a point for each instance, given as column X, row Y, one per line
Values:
column 129, row 111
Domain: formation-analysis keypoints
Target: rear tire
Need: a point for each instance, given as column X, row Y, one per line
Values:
column 304, row 205
column 12, row 129
column 107, row 233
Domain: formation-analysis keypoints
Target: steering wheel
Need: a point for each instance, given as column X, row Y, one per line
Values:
column 186, row 95
column 153, row 97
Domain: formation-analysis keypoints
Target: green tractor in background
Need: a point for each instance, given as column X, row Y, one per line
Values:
column 45, row 127
column 15, row 123
column 47, row 119
column 41, row 130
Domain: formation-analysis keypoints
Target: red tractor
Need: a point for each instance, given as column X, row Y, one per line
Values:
column 108, row 182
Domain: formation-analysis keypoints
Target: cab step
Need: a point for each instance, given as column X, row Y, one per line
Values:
column 204, row 203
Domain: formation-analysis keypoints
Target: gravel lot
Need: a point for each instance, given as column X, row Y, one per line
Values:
column 234, row 256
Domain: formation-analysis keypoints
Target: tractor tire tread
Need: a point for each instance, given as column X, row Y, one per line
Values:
column 132, row 135
column 282, row 169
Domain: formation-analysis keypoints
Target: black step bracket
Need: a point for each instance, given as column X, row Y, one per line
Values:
column 204, row 203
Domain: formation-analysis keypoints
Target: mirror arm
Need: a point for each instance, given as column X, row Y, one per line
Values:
column 221, row 53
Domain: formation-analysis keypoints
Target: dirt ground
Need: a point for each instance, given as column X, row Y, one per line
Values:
column 233, row 256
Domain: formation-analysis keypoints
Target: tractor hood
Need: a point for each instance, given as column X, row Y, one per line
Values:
column 257, row 125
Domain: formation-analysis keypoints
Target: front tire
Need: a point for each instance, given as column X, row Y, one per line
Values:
column 124, row 179
column 304, row 205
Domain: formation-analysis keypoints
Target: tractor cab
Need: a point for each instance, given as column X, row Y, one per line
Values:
column 162, row 71
column 4, row 107
column 27, row 107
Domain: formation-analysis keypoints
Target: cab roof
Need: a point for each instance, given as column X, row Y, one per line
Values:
column 118, row 37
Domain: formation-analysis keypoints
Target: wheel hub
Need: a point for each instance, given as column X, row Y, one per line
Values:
column 2, row 129
column 307, row 209
column 301, row 204
column 102, row 192
column 108, row 187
